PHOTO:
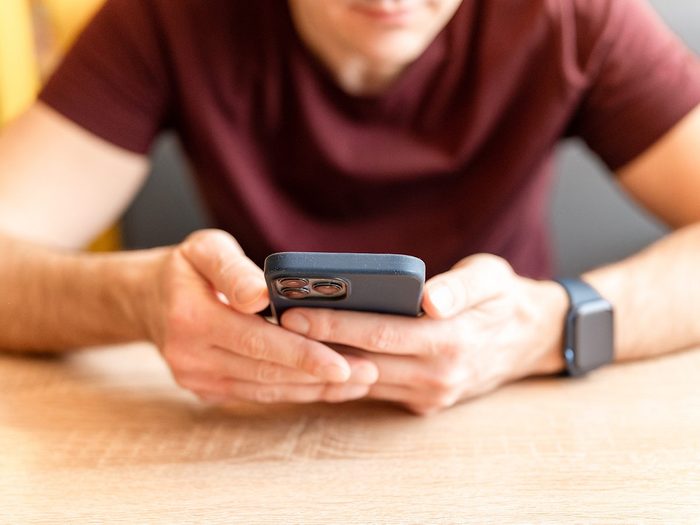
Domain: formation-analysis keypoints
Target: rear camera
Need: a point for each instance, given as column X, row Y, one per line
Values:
column 297, row 288
column 293, row 282
column 294, row 293
column 329, row 288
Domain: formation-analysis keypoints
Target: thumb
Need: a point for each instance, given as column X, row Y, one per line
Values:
column 220, row 260
column 470, row 282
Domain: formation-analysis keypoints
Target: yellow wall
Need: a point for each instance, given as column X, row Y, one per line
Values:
column 19, row 75
column 68, row 17
column 19, row 69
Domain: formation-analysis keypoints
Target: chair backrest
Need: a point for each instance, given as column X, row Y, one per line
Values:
column 592, row 223
column 19, row 74
column 33, row 35
column 68, row 17
column 21, row 21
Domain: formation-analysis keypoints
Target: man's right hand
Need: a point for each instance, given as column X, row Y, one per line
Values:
column 203, row 319
column 54, row 203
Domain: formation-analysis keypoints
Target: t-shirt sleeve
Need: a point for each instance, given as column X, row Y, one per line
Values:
column 642, row 79
column 113, row 82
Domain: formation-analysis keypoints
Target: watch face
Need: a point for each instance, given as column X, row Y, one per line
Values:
column 593, row 335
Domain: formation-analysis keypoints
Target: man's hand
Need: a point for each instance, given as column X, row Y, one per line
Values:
column 484, row 326
column 203, row 320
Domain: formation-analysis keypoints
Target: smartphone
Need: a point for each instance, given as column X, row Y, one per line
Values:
column 367, row 282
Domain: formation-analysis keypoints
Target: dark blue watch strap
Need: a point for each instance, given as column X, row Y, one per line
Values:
column 579, row 291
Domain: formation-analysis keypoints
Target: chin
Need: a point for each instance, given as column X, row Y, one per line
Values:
column 391, row 48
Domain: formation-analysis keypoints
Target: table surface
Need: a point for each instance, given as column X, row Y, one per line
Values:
column 104, row 435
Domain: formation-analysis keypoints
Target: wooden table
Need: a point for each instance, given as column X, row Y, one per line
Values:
column 105, row 436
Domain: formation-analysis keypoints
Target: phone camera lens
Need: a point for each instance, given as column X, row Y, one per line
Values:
column 294, row 293
column 329, row 288
column 293, row 282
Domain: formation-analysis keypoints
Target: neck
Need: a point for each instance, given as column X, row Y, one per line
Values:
column 355, row 73
column 361, row 78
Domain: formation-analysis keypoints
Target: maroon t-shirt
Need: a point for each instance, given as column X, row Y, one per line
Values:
column 453, row 159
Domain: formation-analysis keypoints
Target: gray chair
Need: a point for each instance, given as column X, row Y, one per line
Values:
column 592, row 222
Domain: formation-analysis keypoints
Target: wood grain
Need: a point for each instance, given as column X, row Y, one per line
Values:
column 105, row 436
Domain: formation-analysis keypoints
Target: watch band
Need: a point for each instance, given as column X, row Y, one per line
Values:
column 588, row 337
column 578, row 290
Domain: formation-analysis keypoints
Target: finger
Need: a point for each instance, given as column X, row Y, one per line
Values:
column 254, row 337
column 362, row 370
column 221, row 362
column 220, row 260
column 396, row 393
column 470, row 282
column 227, row 389
column 415, row 400
column 331, row 393
column 389, row 334
column 416, row 373
column 426, row 381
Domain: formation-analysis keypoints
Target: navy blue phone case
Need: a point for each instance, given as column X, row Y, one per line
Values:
column 383, row 283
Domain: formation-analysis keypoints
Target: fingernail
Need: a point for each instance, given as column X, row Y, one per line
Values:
column 334, row 373
column 356, row 391
column 366, row 374
column 296, row 322
column 442, row 298
column 248, row 291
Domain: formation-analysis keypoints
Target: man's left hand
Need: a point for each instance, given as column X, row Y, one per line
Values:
column 483, row 326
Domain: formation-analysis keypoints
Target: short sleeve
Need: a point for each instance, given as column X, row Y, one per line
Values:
column 641, row 79
column 113, row 82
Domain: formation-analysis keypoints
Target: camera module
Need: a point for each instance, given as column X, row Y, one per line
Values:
column 329, row 288
column 294, row 293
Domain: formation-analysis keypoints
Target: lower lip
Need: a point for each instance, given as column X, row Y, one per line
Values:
column 401, row 17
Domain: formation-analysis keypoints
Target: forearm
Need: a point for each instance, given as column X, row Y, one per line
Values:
column 54, row 300
column 656, row 296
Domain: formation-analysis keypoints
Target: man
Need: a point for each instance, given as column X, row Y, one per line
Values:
column 414, row 126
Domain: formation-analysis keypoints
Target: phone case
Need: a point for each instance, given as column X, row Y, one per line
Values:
column 370, row 282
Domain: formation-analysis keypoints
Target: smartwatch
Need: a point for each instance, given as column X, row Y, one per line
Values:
column 588, row 330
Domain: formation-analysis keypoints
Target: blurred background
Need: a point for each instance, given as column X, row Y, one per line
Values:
column 592, row 222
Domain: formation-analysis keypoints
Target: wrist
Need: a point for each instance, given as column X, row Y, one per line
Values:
column 125, row 293
column 60, row 300
column 552, row 304
column 143, row 291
